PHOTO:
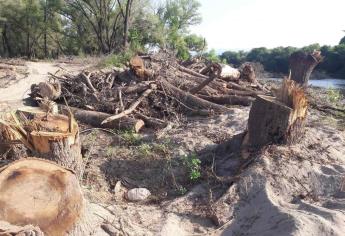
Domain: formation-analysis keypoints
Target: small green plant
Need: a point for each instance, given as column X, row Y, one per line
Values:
column 334, row 95
column 119, row 59
column 130, row 137
column 193, row 163
column 145, row 150
column 110, row 151
column 181, row 190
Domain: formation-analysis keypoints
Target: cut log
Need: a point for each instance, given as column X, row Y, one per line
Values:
column 95, row 119
column 40, row 193
column 151, row 121
column 138, row 67
column 302, row 65
column 190, row 99
column 56, row 138
column 278, row 120
column 51, row 91
column 229, row 100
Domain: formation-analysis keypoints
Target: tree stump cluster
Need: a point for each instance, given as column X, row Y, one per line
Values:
column 281, row 119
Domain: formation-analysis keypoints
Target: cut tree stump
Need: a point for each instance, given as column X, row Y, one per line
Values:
column 248, row 73
column 302, row 65
column 56, row 138
column 278, row 119
column 40, row 193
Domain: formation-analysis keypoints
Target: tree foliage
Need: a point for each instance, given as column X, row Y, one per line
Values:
column 48, row 28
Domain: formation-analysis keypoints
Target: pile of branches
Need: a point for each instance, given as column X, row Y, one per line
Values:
column 154, row 88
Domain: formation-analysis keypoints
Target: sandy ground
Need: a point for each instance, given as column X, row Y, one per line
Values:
column 283, row 190
column 37, row 72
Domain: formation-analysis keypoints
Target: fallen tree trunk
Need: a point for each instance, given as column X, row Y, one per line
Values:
column 40, row 193
column 95, row 119
column 190, row 99
column 229, row 100
column 280, row 119
column 302, row 65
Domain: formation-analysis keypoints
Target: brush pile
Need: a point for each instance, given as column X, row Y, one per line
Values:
column 154, row 88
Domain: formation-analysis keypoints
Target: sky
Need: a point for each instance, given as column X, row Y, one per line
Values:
column 246, row 24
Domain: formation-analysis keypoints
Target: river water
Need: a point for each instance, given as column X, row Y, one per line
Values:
column 325, row 83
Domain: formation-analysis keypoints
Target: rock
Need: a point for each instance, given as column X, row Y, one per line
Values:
column 138, row 194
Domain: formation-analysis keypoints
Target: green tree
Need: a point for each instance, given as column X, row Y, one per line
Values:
column 212, row 56
column 195, row 43
column 234, row 58
column 176, row 17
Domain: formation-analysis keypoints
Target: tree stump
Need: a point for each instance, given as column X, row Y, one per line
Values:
column 248, row 73
column 56, row 138
column 40, row 193
column 302, row 65
column 278, row 119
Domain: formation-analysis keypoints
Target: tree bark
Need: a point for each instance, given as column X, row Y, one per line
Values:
column 302, row 65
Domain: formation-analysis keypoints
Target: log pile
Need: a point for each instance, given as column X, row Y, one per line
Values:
column 154, row 87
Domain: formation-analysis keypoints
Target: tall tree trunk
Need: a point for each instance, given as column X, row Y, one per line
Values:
column 7, row 46
column 126, row 23
column 28, row 50
column 45, row 30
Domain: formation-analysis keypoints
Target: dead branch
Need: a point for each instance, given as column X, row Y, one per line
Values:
column 190, row 99
column 86, row 79
column 130, row 109
column 191, row 72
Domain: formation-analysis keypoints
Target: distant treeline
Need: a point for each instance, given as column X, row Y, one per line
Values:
column 276, row 60
column 50, row 28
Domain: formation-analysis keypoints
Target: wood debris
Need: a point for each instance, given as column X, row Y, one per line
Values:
column 154, row 86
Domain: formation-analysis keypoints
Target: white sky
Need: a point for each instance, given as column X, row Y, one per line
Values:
column 245, row 24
